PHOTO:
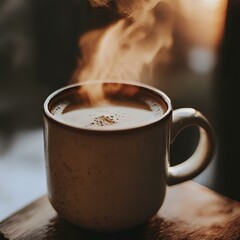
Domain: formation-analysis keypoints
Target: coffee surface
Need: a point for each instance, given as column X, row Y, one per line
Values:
column 108, row 114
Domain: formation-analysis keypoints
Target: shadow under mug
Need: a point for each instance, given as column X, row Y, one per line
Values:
column 110, row 180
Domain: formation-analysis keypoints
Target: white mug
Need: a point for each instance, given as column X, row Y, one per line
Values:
column 109, row 180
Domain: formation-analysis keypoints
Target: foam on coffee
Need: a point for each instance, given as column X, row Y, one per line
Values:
column 110, row 113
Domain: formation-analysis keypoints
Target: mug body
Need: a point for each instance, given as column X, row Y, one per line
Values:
column 106, row 180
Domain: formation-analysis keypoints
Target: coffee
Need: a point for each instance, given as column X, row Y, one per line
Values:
column 109, row 113
column 107, row 161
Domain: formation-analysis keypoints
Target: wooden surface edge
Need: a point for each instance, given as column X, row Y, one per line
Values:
column 199, row 212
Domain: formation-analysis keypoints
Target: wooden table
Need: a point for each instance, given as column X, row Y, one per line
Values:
column 190, row 211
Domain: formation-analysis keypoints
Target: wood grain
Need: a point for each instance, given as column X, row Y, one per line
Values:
column 190, row 211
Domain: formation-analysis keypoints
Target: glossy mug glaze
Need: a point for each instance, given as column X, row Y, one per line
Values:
column 109, row 179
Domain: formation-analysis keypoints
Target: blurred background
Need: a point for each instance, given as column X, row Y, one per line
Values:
column 44, row 45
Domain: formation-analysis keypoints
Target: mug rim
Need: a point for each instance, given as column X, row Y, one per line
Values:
column 152, row 89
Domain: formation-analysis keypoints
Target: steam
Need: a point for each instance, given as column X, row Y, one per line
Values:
column 133, row 48
column 127, row 49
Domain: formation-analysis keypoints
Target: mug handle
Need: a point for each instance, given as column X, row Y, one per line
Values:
column 190, row 168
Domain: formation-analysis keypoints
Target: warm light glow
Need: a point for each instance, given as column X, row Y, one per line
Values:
column 205, row 19
column 212, row 3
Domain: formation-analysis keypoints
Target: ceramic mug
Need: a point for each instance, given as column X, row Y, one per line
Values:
column 109, row 180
